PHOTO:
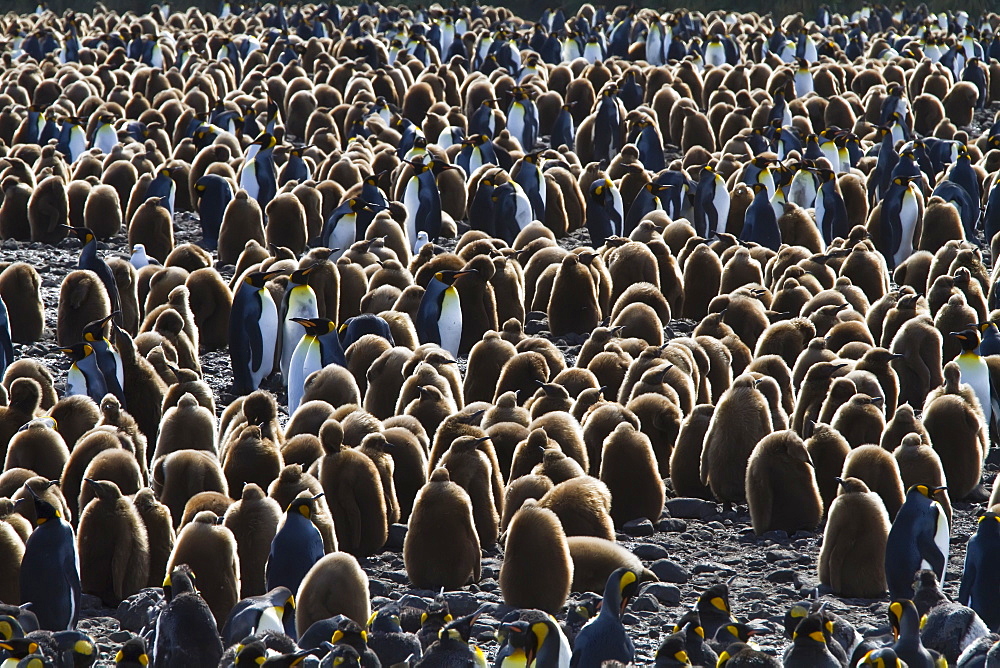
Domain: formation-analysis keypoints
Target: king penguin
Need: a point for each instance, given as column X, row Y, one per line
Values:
column 163, row 186
column 439, row 316
column 253, row 329
column 91, row 261
column 109, row 361
column 422, row 202
column 105, row 138
column 760, row 225
column 522, row 119
column 84, row 376
column 342, row 227
column 605, row 638
column 980, row 588
column 900, row 211
column 299, row 302
column 214, row 195
column 50, row 569
column 605, row 217
column 258, row 176
column 831, row 210
column 975, row 372
column 320, row 346
column 918, row 539
column 296, row 546
column 6, row 343
column 711, row 204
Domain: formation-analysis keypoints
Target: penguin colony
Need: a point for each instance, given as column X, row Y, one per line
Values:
column 793, row 314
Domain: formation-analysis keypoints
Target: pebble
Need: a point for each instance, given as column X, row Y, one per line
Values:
column 397, row 534
column 645, row 603
column 667, row 594
column 782, row 575
column 650, row 551
column 668, row 571
column 687, row 508
column 378, row 587
column 639, row 527
column 671, row 525
column 461, row 602
column 711, row 567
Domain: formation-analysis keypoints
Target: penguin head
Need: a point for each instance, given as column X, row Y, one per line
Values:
column 925, row 490
column 303, row 505
column 265, row 140
column 810, row 630
column 252, row 653
column 448, row 276
column 10, row 628
column 77, row 642
column 884, row 657
column 257, row 279
column 85, row 235
column 715, row 599
column 20, row 647
column 181, row 580
column 44, row 511
column 969, row 338
column 94, row 331
column 386, row 619
column 104, row 489
column 903, row 613
column 349, row 632
column 460, row 629
column 301, row 276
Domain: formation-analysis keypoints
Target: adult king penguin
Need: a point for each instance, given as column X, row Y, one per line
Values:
column 50, row 569
column 342, row 227
column 900, row 210
column 439, row 316
column 109, row 361
column 711, row 203
column 980, row 588
column 91, row 261
column 299, row 302
column 258, row 176
column 253, row 329
column 84, row 376
column 605, row 638
column 522, row 119
column 976, row 373
column 422, row 201
column 214, row 195
column 605, row 215
column 320, row 346
column 918, row 539
column 163, row 186
column 296, row 546
column 760, row 225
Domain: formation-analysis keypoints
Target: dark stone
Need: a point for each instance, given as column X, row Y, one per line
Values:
column 668, row 571
column 645, row 603
column 397, row 534
column 687, row 508
column 782, row 575
column 667, row 594
column 710, row 567
column 639, row 527
column 650, row 551
column 671, row 525
column 461, row 602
